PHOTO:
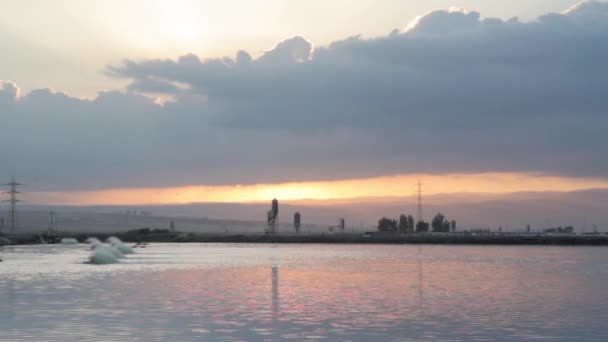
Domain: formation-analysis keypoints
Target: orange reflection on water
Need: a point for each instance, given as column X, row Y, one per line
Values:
column 367, row 293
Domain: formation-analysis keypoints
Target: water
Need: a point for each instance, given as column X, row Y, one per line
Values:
column 249, row 292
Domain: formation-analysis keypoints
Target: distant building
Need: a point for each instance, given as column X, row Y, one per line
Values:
column 272, row 215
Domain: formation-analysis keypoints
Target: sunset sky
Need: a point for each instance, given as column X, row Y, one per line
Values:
column 148, row 102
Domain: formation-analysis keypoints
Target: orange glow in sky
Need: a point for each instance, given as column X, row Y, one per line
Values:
column 398, row 185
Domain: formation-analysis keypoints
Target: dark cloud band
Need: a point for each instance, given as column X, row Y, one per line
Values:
column 452, row 93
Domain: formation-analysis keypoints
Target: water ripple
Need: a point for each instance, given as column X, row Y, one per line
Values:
column 193, row 292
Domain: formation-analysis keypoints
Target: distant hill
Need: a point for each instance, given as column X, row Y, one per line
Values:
column 512, row 211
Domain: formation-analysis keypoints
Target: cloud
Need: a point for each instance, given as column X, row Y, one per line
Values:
column 8, row 93
column 451, row 92
column 585, row 11
column 445, row 22
column 294, row 50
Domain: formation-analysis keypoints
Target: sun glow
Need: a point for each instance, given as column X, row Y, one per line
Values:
column 399, row 185
column 178, row 20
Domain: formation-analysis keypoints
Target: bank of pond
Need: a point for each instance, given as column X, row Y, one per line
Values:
column 346, row 238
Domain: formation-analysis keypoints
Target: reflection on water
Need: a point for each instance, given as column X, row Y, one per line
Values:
column 190, row 292
column 420, row 280
column 275, row 292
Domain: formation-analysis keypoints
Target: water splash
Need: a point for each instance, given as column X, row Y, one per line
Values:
column 108, row 253
column 119, row 245
column 94, row 242
column 69, row 241
column 103, row 256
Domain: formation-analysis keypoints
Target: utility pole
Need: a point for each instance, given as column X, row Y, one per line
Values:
column 12, row 214
column 420, row 217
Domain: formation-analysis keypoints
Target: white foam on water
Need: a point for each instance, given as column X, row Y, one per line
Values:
column 108, row 253
column 69, row 241
column 94, row 242
column 103, row 255
column 119, row 245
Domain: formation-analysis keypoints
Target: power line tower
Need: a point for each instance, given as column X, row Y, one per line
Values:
column 12, row 214
column 420, row 217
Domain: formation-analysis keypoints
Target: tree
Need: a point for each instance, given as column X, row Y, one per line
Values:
column 422, row 227
column 410, row 223
column 439, row 223
column 387, row 225
column 446, row 226
column 403, row 224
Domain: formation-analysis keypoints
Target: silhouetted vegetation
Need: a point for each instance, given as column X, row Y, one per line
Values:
column 387, row 225
column 567, row 229
column 147, row 234
column 440, row 224
column 405, row 224
column 422, row 227
column 148, row 231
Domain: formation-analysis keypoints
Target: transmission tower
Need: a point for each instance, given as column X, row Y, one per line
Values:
column 420, row 217
column 12, row 214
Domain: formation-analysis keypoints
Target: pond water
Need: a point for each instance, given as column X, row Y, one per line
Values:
column 263, row 292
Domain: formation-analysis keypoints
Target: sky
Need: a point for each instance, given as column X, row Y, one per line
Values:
column 225, row 101
column 65, row 44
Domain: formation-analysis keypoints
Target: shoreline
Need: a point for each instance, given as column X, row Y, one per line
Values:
column 429, row 238
column 336, row 238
